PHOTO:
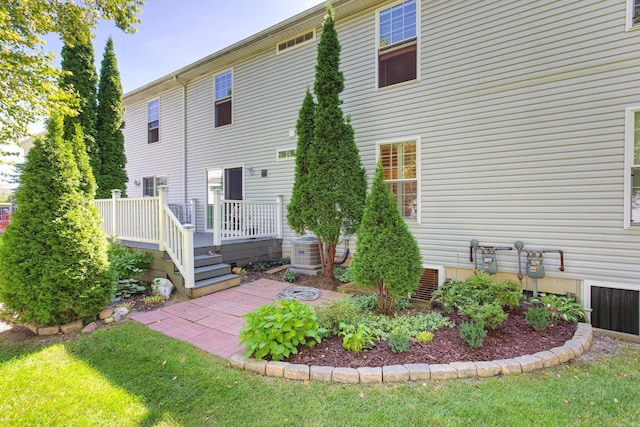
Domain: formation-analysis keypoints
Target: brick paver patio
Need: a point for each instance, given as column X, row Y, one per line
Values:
column 212, row 322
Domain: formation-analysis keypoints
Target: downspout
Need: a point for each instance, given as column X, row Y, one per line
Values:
column 184, row 137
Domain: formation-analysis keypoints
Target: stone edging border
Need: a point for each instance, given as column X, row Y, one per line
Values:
column 573, row 348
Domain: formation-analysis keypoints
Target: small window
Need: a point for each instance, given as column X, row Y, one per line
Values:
column 397, row 44
column 632, row 168
column 223, row 90
column 633, row 14
column 296, row 41
column 400, row 164
column 151, row 184
column 153, row 122
column 286, row 154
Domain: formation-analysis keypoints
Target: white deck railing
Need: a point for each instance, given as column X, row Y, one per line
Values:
column 153, row 220
column 243, row 219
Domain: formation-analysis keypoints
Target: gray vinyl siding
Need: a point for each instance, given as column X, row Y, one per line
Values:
column 519, row 108
column 162, row 158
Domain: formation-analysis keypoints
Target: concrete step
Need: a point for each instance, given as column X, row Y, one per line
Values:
column 204, row 260
column 215, row 284
column 211, row 271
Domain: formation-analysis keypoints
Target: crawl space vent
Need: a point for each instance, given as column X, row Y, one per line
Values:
column 428, row 284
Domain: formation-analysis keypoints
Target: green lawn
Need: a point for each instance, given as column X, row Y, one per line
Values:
column 129, row 375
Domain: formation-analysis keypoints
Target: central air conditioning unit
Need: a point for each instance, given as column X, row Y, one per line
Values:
column 305, row 255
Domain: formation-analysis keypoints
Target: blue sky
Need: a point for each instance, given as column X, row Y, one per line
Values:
column 175, row 33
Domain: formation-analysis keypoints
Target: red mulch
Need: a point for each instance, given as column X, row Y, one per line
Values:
column 511, row 339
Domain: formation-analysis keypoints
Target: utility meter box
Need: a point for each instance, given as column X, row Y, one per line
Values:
column 489, row 262
column 535, row 269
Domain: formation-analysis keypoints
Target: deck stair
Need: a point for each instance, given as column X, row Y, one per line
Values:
column 211, row 274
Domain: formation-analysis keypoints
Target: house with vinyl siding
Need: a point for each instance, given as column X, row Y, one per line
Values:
column 496, row 122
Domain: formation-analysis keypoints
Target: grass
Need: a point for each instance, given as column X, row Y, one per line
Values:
column 128, row 375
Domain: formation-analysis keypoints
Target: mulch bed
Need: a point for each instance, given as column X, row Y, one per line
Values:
column 511, row 339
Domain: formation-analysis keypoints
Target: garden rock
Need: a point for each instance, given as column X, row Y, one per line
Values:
column 107, row 312
column 122, row 310
column 70, row 327
column 90, row 328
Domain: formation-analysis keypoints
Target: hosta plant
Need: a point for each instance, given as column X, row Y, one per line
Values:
column 562, row 307
column 278, row 329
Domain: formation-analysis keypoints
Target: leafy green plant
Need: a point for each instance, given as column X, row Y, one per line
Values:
column 356, row 338
column 411, row 324
column 127, row 265
column 290, row 276
column 490, row 315
column 267, row 263
column 399, row 341
column 473, row 334
column 562, row 307
column 331, row 315
column 481, row 288
column 365, row 302
column 424, row 337
column 126, row 288
column 154, row 299
column 342, row 275
column 538, row 318
column 278, row 329
column 370, row 302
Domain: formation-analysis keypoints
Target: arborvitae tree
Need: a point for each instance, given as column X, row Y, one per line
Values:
column 297, row 214
column 110, row 121
column 80, row 75
column 337, row 181
column 53, row 260
column 387, row 255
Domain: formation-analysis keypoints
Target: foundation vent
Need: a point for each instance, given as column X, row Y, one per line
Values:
column 428, row 283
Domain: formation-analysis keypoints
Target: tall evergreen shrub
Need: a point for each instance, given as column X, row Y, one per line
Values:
column 53, row 260
column 80, row 75
column 110, row 121
column 329, row 201
column 387, row 255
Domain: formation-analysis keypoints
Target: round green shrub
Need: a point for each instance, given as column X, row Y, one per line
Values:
column 538, row 318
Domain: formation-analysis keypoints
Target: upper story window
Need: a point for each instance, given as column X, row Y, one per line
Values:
column 632, row 168
column 633, row 14
column 397, row 43
column 296, row 41
column 151, row 184
column 153, row 121
column 400, row 164
column 224, row 86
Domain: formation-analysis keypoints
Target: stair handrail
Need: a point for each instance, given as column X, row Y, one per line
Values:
column 176, row 239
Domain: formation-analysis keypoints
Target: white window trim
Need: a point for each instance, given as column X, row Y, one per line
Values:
column 285, row 159
column 155, row 183
column 284, row 51
column 628, row 163
column 586, row 291
column 233, row 93
column 149, row 102
column 418, row 44
column 629, row 18
column 417, row 139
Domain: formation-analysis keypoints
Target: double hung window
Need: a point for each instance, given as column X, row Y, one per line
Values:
column 397, row 43
column 153, row 121
column 400, row 164
column 223, row 91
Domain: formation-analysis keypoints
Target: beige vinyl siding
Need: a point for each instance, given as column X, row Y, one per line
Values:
column 519, row 108
column 162, row 158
